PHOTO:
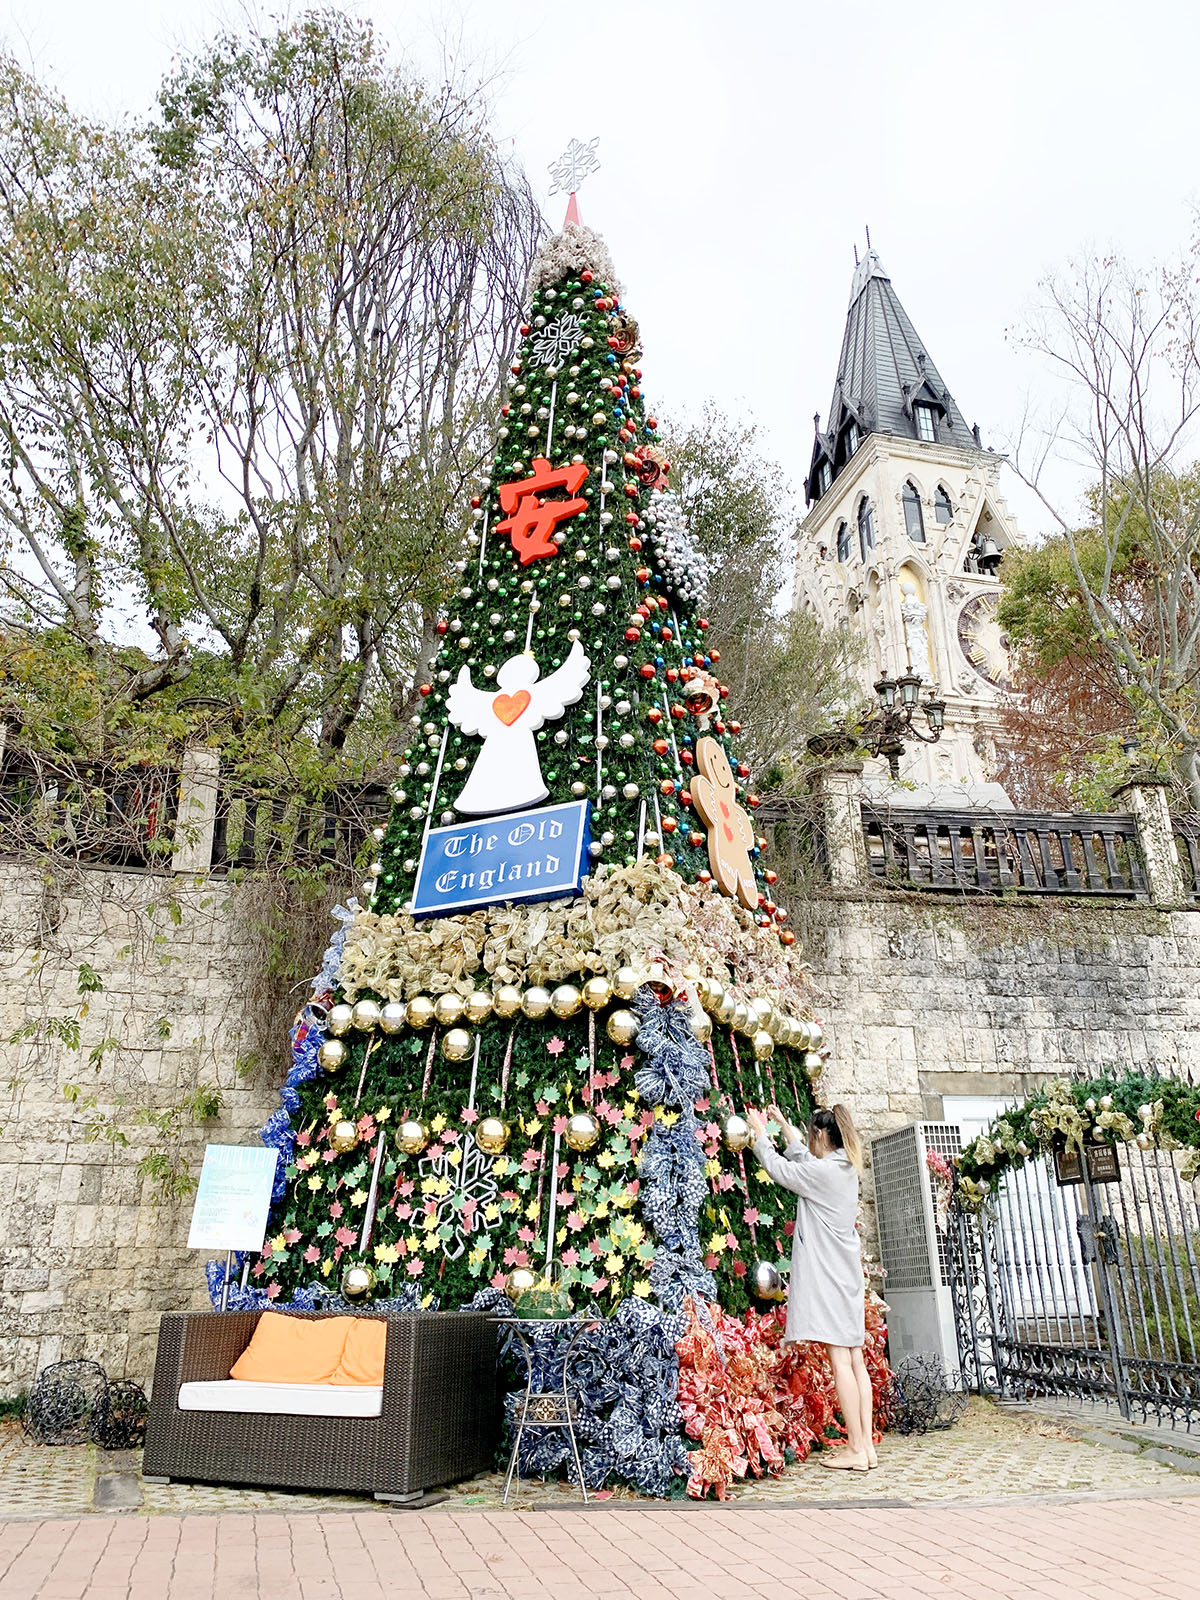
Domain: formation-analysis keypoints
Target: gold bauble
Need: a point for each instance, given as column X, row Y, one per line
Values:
column 332, row 1055
column 814, row 1065
column 741, row 1017
column 457, row 1044
column 447, row 1010
column 701, row 1026
column 519, row 1281
column 412, row 1136
column 508, row 1000
column 597, row 992
column 357, row 1282
column 625, row 983
column 393, row 1016
column 622, row 1027
column 366, row 1015
column 535, row 1002
column 704, row 989
column 477, row 1007
column 724, row 1005
column 763, row 1010
column 341, row 1017
column 764, row 1045
column 420, row 1011
column 582, row 1130
column 816, row 1035
column 736, row 1132
column 492, row 1136
column 343, row 1135
column 565, row 1001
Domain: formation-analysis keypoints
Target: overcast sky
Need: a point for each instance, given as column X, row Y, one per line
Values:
column 745, row 147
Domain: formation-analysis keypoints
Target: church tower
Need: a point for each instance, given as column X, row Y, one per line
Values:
column 905, row 531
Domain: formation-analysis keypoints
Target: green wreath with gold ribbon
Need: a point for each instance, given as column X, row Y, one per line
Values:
column 1161, row 1113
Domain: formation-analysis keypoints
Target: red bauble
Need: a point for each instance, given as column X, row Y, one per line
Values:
column 714, row 656
column 702, row 623
column 672, row 674
column 476, row 502
column 667, row 786
column 634, row 542
column 516, row 366
column 743, row 771
column 669, row 824
column 586, row 275
column 652, row 422
column 661, row 747
column 654, row 715
column 632, row 635
column 735, row 727
column 631, row 518
column 686, row 757
column 786, row 936
column 705, row 876
column 753, row 802
column 443, row 627
column 642, row 574
column 524, row 329
column 678, row 712
column 426, row 688
column 667, row 634
column 770, row 875
column 666, row 860
column 685, row 797
column 696, row 839
column 648, row 669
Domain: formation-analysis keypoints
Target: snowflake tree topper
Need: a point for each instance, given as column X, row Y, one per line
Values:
column 573, row 166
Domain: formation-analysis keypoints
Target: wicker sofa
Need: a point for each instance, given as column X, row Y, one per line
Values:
column 438, row 1423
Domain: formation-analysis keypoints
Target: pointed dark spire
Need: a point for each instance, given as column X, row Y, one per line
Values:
column 886, row 381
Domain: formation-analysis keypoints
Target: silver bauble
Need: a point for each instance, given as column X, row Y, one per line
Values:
column 366, row 1015
column 765, row 1281
column 357, row 1283
column 393, row 1016
column 736, row 1132
column 341, row 1016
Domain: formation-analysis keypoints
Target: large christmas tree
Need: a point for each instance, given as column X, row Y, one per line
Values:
column 526, row 1061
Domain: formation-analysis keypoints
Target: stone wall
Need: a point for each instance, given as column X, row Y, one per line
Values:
column 89, row 1256
column 920, row 999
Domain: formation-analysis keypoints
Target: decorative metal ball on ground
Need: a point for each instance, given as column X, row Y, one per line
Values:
column 766, row 1281
column 119, row 1416
column 357, row 1282
column 457, row 1044
column 412, row 1136
column 332, row 1055
column 492, row 1136
column 61, row 1405
column 736, row 1133
column 921, row 1396
column 341, row 1018
column 582, row 1130
column 366, row 1015
column 343, row 1135
column 393, row 1016
column 622, row 1027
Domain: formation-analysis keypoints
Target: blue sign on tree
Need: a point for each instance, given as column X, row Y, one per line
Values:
column 524, row 855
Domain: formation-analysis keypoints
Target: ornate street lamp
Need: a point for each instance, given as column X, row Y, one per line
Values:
column 885, row 731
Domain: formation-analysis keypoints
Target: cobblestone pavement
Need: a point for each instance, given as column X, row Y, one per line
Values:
column 991, row 1453
column 652, row 1552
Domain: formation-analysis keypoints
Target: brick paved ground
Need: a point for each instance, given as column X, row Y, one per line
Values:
column 992, row 1452
column 1071, row 1552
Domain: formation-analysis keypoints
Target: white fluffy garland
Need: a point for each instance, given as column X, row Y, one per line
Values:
column 686, row 570
column 572, row 250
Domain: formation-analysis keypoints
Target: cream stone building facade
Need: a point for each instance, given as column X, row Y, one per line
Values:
column 905, row 528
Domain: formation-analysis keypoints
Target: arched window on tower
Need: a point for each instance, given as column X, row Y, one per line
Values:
column 866, row 527
column 843, row 542
column 942, row 508
column 914, row 522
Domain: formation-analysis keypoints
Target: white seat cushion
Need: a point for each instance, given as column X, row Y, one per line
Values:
column 284, row 1399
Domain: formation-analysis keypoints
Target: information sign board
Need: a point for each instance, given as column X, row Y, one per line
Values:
column 523, row 855
column 233, row 1198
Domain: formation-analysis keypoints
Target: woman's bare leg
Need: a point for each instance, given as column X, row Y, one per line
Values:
column 850, row 1401
column 866, row 1403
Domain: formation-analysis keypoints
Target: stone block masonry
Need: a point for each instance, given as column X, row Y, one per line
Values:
column 921, row 997
column 90, row 1253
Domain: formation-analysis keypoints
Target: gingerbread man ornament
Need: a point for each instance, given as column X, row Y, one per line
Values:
column 730, row 834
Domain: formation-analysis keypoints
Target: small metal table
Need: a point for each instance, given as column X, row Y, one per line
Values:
column 552, row 1408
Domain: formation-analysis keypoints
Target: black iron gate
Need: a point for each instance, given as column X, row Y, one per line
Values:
column 1089, row 1290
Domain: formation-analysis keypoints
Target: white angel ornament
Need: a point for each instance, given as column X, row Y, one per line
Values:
column 507, row 775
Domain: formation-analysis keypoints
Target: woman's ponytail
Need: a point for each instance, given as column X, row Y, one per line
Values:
column 847, row 1136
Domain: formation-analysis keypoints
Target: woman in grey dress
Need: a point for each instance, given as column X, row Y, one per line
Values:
column 826, row 1293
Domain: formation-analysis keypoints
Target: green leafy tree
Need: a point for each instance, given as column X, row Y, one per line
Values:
column 249, row 352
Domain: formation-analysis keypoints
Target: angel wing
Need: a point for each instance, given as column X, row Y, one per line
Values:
column 551, row 696
column 468, row 707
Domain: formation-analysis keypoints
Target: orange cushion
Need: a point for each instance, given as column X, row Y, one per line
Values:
column 362, row 1359
column 293, row 1349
